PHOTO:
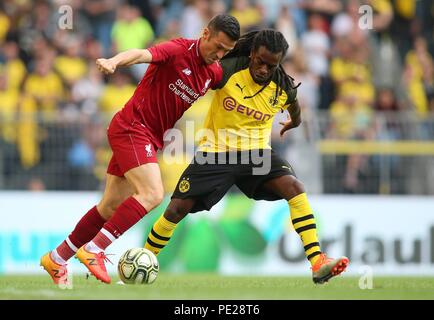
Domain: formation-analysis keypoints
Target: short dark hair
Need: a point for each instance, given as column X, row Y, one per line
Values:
column 226, row 24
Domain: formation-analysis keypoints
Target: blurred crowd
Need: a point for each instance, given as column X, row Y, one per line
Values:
column 363, row 78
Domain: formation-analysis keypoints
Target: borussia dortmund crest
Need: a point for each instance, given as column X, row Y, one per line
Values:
column 273, row 101
column 184, row 185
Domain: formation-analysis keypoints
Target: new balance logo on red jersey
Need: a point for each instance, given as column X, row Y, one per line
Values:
column 187, row 71
column 206, row 85
column 148, row 150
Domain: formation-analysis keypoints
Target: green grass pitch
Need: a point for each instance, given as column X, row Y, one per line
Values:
column 217, row 287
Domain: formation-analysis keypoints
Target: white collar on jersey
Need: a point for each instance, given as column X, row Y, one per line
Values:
column 197, row 47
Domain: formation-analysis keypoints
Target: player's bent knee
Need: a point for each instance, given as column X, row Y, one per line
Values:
column 296, row 187
column 150, row 199
column 105, row 213
column 107, row 209
column 175, row 213
column 157, row 197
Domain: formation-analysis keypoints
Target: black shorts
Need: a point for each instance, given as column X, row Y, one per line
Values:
column 210, row 175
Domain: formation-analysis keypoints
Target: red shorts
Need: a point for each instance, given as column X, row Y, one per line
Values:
column 131, row 144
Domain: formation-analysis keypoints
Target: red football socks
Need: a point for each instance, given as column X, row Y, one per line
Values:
column 89, row 225
column 125, row 216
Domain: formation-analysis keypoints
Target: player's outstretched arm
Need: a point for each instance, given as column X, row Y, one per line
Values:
column 125, row 58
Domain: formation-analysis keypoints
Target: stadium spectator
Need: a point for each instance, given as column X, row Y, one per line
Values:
column 403, row 26
column 307, row 94
column 385, row 64
column 8, row 107
column 418, row 75
column 247, row 14
column 147, row 10
column 316, row 45
column 388, row 122
column 72, row 22
column 81, row 157
column 350, row 71
column 166, row 11
column 425, row 21
column 390, row 126
column 70, row 65
column 386, row 101
column 92, row 49
column 45, row 87
column 193, row 18
column 346, row 23
column 352, row 119
column 101, row 16
column 130, row 31
column 326, row 8
column 86, row 92
column 116, row 93
column 171, row 31
column 4, row 25
column 12, row 63
column 41, row 19
column 286, row 25
column 18, row 127
column 383, row 14
column 216, row 7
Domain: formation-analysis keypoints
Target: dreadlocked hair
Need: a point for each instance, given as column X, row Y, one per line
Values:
column 273, row 41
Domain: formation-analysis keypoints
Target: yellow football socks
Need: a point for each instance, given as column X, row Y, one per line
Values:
column 160, row 235
column 304, row 223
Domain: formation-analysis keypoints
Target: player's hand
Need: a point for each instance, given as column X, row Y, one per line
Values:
column 287, row 125
column 106, row 66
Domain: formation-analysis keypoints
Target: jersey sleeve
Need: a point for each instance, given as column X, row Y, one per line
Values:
column 291, row 92
column 162, row 52
column 229, row 67
column 291, row 102
column 292, row 96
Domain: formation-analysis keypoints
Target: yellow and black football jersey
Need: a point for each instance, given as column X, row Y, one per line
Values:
column 242, row 111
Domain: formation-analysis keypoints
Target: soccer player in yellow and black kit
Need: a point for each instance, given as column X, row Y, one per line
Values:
column 236, row 148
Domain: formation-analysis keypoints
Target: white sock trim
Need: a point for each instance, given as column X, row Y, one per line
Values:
column 71, row 245
column 57, row 258
column 92, row 247
column 111, row 237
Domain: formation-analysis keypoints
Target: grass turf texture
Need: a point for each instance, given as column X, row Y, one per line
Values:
column 212, row 287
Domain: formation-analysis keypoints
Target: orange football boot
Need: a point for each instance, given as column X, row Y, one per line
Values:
column 95, row 262
column 58, row 272
column 326, row 268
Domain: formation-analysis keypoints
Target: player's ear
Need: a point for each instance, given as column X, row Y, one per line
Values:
column 206, row 33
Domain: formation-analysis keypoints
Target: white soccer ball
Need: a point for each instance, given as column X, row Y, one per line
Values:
column 138, row 266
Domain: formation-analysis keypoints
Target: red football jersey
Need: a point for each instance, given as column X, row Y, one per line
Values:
column 176, row 77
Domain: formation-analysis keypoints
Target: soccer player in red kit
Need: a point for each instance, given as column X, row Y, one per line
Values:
column 180, row 71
